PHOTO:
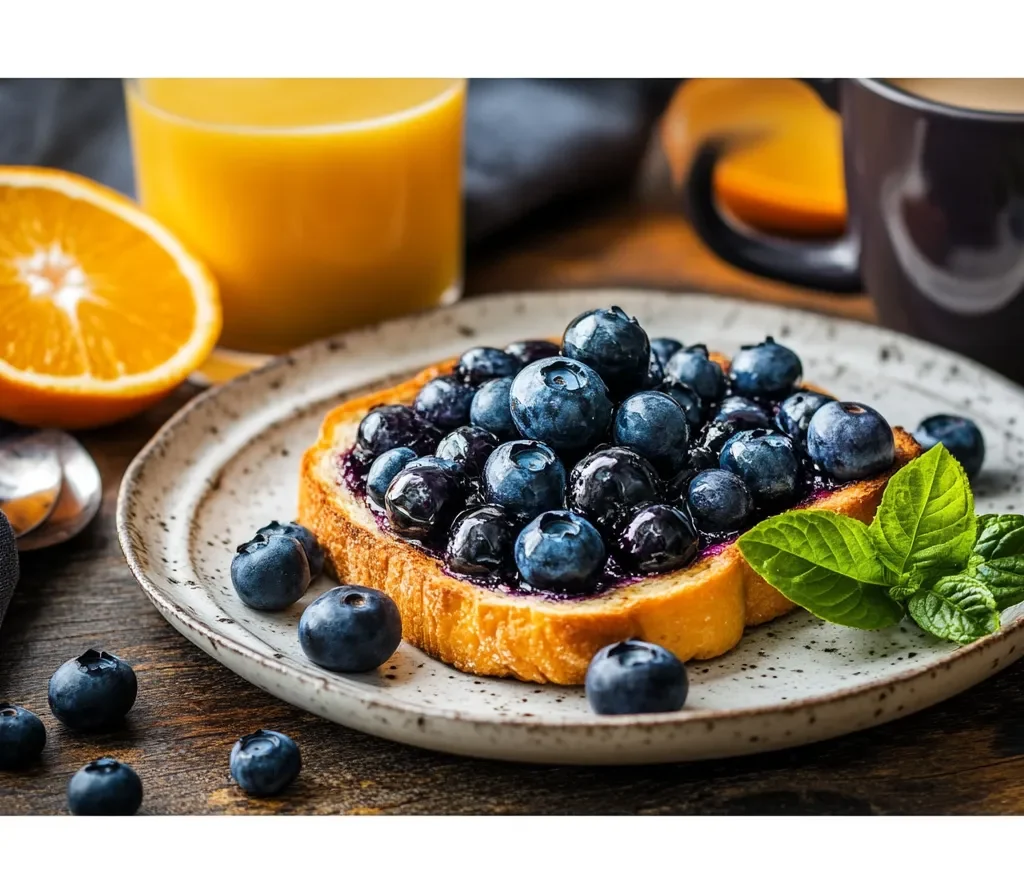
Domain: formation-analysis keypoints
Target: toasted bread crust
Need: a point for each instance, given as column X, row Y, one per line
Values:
column 698, row 612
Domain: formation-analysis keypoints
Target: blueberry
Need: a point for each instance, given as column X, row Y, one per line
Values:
column 744, row 411
column 491, row 410
column 655, row 427
column 265, row 762
column 664, row 348
column 350, row 629
column 767, row 370
column 93, row 692
column 525, row 478
column 658, row 538
column 850, row 441
column 481, row 542
column 609, row 483
column 767, row 464
column 105, row 787
column 532, row 350
column 688, row 400
column 384, row 470
column 719, row 501
column 423, row 499
column 561, row 402
column 395, row 426
column 469, row 447
column 481, row 364
column 635, row 677
column 559, row 551
column 692, row 367
column 612, row 343
column 270, row 572
column 794, row 414
column 22, row 736
column 314, row 553
column 961, row 437
column 655, row 373
column 445, row 402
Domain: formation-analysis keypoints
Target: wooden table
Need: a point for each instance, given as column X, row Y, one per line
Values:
column 966, row 755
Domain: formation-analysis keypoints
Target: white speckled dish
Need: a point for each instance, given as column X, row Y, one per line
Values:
column 228, row 463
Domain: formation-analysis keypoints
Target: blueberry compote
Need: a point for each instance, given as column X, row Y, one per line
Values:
column 465, row 494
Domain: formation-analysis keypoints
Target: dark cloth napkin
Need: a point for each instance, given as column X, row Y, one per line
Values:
column 528, row 142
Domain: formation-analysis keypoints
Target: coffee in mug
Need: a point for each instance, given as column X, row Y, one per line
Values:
column 982, row 94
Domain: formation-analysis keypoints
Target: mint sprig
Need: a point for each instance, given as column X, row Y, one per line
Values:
column 925, row 554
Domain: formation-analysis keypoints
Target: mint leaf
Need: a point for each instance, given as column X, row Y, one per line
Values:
column 957, row 608
column 925, row 523
column 825, row 563
column 998, row 558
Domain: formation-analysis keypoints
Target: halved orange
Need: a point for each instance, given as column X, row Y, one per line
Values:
column 102, row 310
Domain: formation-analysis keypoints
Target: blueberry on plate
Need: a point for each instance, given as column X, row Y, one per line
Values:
column 105, row 787
column 664, row 348
column 524, row 477
column 444, row 401
column 423, row 498
column 961, row 437
column 559, row 551
column 608, row 484
column 384, row 470
column 767, row 370
column 395, row 426
column 658, row 538
column 795, row 412
column 265, row 762
column 744, row 411
column 22, row 736
column 767, row 464
column 270, row 572
column 481, row 542
column 491, row 409
column 531, row 350
column 655, row 427
column 561, row 402
column 614, row 344
column 719, row 501
column 469, row 447
column 688, row 400
column 848, row 441
column 692, row 367
column 314, row 553
column 92, row 692
column 350, row 629
column 485, row 363
column 635, row 677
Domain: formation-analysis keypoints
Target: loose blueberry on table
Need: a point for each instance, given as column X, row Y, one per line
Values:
column 92, row 692
column 562, row 470
column 22, row 736
column 105, row 787
column 265, row 762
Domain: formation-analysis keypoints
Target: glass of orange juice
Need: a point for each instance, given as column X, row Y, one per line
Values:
column 319, row 204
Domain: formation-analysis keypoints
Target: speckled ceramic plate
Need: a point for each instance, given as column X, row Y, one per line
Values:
column 228, row 463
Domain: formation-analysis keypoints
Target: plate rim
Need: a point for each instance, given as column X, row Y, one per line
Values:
column 169, row 607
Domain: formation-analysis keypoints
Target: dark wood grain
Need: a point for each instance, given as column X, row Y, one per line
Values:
column 966, row 755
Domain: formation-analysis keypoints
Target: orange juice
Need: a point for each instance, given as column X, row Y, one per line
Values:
column 319, row 204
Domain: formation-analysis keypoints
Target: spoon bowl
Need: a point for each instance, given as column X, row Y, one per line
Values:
column 31, row 477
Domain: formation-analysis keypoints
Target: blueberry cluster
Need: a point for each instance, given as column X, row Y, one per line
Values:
column 562, row 468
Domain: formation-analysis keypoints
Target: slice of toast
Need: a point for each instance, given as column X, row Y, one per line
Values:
column 697, row 612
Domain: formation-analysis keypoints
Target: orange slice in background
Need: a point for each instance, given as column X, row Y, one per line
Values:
column 102, row 310
column 787, row 178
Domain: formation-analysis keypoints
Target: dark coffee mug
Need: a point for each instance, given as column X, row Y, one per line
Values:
column 935, row 229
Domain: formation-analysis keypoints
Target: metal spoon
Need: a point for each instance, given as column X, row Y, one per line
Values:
column 80, row 497
column 30, row 478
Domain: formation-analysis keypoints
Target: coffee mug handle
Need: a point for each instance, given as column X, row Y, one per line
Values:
column 831, row 265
